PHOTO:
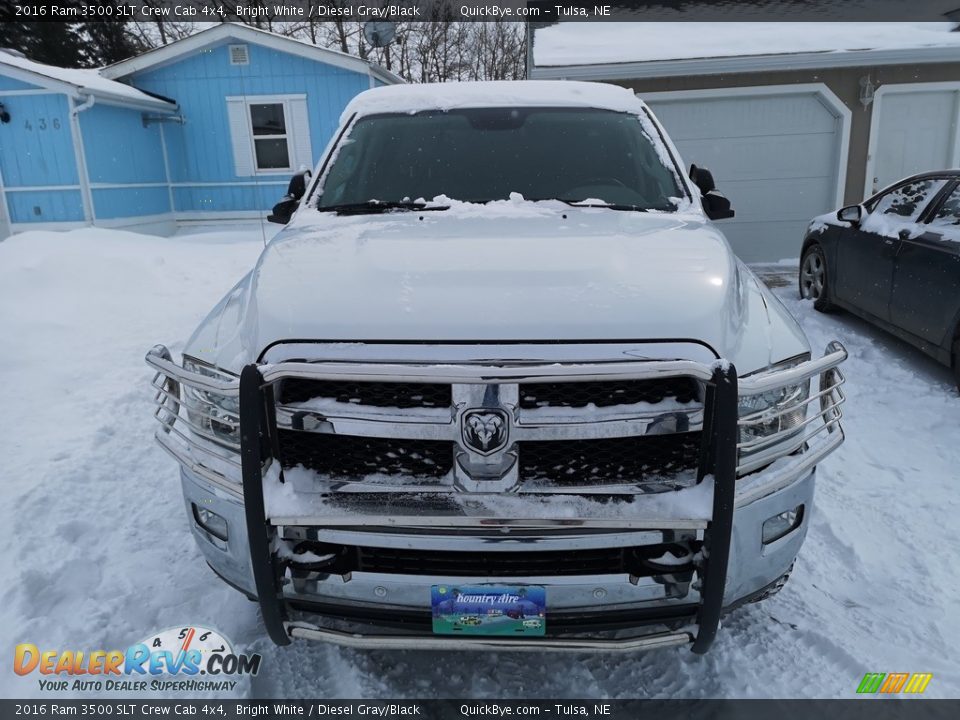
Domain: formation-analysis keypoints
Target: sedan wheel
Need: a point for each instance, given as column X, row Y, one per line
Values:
column 813, row 278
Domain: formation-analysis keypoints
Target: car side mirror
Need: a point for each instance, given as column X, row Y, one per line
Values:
column 852, row 214
column 715, row 204
column 703, row 179
column 287, row 206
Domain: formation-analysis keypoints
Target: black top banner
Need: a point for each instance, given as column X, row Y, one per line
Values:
column 534, row 11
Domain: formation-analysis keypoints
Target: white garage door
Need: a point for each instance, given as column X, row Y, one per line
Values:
column 775, row 155
column 914, row 129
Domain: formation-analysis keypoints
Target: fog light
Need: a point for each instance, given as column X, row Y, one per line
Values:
column 210, row 521
column 779, row 525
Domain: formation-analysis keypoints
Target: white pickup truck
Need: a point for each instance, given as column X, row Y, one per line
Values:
column 500, row 366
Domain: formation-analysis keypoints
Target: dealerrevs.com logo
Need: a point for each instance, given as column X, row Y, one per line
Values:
column 188, row 659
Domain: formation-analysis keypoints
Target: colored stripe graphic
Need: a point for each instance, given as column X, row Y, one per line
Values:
column 892, row 683
column 871, row 682
column 918, row 682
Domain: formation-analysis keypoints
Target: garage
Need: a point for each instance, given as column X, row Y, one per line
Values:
column 792, row 124
column 914, row 130
column 779, row 156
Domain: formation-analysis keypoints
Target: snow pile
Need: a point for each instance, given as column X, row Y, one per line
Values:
column 575, row 43
column 95, row 549
column 91, row 522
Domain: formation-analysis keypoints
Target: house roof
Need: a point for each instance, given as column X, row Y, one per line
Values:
column 235, row 31
column 615, row 50
column 79, row 82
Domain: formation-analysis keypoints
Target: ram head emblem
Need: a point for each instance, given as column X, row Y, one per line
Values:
column 484, row 431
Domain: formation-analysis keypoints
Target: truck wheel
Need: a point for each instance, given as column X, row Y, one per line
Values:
column 814, row 279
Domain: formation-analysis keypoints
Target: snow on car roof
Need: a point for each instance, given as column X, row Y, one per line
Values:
column 575, row 43
column 511, row 93
column 83, row 79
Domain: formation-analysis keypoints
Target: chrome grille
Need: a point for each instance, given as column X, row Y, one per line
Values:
column 609, row 435
column 662, row 462
column 375, row 394
column 349, row 457
column 608, row 394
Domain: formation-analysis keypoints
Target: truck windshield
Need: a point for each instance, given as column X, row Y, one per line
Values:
column 478, row 155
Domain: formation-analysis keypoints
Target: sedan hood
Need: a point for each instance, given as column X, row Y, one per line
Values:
column 520, row 272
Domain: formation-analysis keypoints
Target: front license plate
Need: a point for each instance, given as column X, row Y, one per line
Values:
column 489, row 610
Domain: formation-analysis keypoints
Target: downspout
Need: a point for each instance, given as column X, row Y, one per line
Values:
column 81, row 156
column 528, row 75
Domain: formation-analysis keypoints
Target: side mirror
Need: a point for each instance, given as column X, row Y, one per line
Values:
column 283, row 211
column 852, row 214
column 703, row 179
column 715, row 204
column 287, row 206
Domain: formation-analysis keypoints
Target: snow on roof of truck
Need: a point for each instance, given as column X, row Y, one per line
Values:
column 498, row 93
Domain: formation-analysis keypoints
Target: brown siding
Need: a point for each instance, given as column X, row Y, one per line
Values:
column 845, row 84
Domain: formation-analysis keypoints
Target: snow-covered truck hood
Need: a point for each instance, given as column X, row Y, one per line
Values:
column 518, row 272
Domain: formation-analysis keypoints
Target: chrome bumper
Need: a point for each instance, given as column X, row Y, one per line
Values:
column 653, row 641
column 240, row 484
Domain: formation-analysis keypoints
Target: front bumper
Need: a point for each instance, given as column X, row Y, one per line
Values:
column 590, row 611
column 366, row 609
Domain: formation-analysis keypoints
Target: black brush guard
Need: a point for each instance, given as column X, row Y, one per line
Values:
column 258, row 433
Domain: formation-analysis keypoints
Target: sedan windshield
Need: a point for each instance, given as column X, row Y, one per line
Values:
column 479, row 155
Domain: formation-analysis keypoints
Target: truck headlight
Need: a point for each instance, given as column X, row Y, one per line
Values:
column 217, row 416
column 774, row 412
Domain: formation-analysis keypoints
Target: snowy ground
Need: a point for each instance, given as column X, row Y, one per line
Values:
column 95, row 551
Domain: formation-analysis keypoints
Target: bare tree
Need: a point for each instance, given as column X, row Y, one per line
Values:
column 438, row 49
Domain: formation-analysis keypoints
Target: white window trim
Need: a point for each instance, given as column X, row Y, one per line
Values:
column 284, row 100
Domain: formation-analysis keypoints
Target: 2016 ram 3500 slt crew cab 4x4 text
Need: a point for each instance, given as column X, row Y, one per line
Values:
column 500, row 383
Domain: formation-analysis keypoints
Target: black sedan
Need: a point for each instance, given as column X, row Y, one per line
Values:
column 894, row 260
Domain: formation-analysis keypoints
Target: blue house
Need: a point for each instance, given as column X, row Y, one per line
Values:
column 207, row 128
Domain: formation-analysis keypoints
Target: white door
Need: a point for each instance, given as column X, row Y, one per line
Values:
column 914, row 129
column 776, row 153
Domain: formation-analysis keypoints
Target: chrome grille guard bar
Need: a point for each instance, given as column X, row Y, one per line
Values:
column 215, row 459
column 258, row 428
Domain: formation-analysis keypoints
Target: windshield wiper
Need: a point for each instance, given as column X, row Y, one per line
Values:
column 379, row 206
column 587, row 204
column 608, row 206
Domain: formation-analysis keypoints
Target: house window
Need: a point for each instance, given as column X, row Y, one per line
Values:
column 269, row 134
column 268, row 125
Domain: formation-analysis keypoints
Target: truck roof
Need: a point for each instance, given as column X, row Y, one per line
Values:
column 499, row 93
